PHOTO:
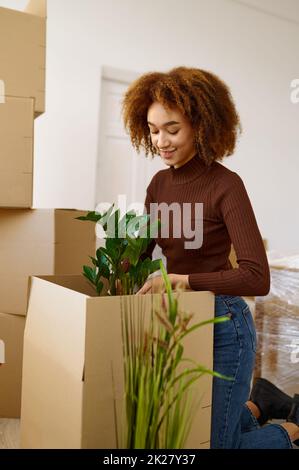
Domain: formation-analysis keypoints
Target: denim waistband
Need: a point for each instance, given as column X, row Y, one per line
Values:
column 229, row 299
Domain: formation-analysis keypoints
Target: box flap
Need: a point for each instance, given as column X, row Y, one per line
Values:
column 37, row 7
column 76, row 283
column 55, row 337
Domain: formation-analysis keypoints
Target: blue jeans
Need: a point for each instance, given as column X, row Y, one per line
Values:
column 233, row 424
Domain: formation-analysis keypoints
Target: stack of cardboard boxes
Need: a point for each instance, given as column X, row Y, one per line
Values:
column 32, row 241
column 22, row 76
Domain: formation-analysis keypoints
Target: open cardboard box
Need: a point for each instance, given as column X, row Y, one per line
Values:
column 73, row 386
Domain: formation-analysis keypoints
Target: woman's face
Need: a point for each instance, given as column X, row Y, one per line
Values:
column 171, row 135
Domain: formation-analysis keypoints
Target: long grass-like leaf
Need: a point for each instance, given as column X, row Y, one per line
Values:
column 159, row 395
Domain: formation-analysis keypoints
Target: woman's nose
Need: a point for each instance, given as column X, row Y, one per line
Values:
column 163, row 141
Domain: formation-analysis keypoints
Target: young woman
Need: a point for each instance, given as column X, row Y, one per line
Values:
column 187, row 116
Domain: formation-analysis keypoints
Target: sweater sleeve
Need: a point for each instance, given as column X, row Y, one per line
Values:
column 252, row 277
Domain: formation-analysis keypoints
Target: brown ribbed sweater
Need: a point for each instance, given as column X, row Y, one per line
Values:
column 228, row 218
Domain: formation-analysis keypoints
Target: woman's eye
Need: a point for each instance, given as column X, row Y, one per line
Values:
column 172, row 133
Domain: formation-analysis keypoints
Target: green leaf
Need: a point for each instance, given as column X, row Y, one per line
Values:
column 172, row 301
column 136, row 224
column 132, row 253
column 178, row 356
column 99, row 287
column 102, row 256
column 112, row 224
column 89, row 273
column 154, row 265
column 123, row 223
column 103, row 263
column 105, row 271
column 105, row 217
column 148, row 230
column 91, row 216
column 113, row 248
column 94, row 261
column 105, row 253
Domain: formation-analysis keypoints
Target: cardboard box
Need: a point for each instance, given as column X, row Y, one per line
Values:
column 73, row 386
column 16, row 152
column 39, row 241
column 2, row 352
column 11, row 334
column 23, row 55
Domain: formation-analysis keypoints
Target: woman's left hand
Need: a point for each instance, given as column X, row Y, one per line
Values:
column 156, row 284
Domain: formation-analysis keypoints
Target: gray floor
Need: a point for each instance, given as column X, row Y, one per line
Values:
column 9, row 433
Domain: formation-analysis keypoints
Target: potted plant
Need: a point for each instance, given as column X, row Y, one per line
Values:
column 120, row 262
column 158, row 383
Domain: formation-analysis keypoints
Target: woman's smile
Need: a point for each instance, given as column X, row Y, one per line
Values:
column 167, row 153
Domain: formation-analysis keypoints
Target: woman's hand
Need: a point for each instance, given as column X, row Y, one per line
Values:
column 156, row 284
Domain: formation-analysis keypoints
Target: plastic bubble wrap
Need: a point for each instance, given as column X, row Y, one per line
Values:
column 277, row 325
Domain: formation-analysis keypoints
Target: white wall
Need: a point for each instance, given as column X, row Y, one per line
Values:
column 253, row 52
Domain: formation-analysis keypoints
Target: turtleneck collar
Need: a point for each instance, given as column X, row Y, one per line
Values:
column 189, row 171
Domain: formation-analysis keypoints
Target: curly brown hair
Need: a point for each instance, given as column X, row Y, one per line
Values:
column 199, row 95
